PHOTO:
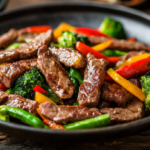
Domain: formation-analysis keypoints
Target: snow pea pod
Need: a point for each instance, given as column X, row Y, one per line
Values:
column 99, row 121
column 21, row 115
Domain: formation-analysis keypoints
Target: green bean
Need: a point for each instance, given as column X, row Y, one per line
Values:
column 21, row 115
column 99, row 121
column 4, row 118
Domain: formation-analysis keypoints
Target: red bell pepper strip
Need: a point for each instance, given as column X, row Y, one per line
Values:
column 131, row 70
column 85, row 49
column 50, row 123
column 89, row 32
column 2, row 87
column 133, row 39
column 37, row 88
column 53, row 125
column 38, row 29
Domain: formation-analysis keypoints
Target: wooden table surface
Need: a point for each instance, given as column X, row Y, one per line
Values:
column 140, row 141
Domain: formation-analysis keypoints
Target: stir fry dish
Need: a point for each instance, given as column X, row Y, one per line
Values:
column 71, row 78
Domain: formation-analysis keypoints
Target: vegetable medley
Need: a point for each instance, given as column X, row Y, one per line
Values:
column 71, row 78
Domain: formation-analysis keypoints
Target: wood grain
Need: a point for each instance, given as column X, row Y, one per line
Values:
column 137, row 142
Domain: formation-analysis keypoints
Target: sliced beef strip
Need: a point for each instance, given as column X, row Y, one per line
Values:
column 66, row 114
column 132, row 111
column 123, row 45
column 8, row 38
column 15, row 100
column 26, row 50
column 22, row 33
column 69, row 57
column 55, row 74
column 106, row 104
column 70, row 101
column 89, row 91
column 116, row 93
column 10, row 72
column 128, row 56
column 3, row 96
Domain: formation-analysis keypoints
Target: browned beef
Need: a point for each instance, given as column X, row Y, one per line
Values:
column 132, row 111
column 55, row 74
column 106, row 104
column 89, row 91
column 70, row 101
column 116, row 93
column 26, row 50
column 69, row 57
column 8, row 38
column 123, row 45
column 128, row 56
column 22, row 33
column 15, row 100
column 65, row 114
column 3, row 96
column 10, row 72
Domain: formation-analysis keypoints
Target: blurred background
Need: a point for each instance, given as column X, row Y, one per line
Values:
column 143, row 5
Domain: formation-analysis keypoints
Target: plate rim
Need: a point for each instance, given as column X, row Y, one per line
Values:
column 123, row 128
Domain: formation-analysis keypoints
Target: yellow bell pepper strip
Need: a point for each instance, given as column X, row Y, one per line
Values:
column 63, row 27
column 4, row 63
column 40, row 98
column 134, row 59
column 102, row 46
column 137, row 92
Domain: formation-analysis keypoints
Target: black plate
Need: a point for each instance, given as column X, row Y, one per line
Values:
column 3, row 4
column 137, row 24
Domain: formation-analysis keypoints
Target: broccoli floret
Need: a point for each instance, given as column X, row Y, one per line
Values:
column 113, row 28
column 24, row 84
column 84, row 40
column 145, row 80
column 67, row 39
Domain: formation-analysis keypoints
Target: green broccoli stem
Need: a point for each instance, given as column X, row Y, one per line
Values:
column 76, row 74
column 75, row 82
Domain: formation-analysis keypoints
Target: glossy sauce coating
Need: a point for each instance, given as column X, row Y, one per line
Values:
column 55, row 74
column 89, row 91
